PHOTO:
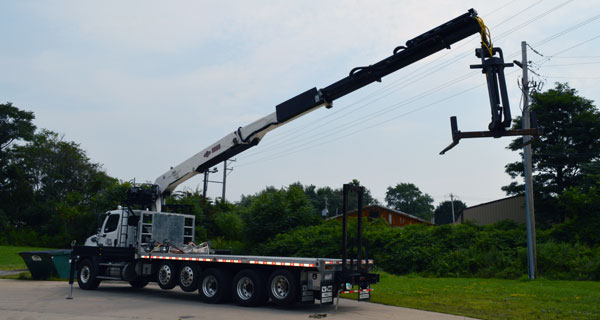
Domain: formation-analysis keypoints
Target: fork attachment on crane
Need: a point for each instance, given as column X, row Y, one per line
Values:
column 493, row 68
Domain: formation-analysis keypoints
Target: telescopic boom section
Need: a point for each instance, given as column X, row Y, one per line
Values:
column 248, row 136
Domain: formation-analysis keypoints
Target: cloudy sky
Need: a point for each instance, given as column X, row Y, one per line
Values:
column 143, row 85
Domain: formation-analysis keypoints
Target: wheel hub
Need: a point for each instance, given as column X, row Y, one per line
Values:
column 85, row 274
column 164, row 274
column 187, row 276
column 210, row 286
column 280, row 287
column 245, row 288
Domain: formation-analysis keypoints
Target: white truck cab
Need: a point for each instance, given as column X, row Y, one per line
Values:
column 118, row 229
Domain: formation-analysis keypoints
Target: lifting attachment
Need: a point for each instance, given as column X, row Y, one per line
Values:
column 492, row 66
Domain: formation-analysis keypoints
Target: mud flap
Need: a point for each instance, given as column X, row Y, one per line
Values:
column 308, row 296
column 326, row 292
column 364, row 296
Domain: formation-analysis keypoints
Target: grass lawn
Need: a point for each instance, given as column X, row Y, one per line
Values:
column 492, row 298
column 10, row 258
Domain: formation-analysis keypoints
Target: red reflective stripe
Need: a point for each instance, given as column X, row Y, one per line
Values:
column 271, row 263
column 357, row 291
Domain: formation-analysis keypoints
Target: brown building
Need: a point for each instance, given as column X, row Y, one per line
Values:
column 512, row 208
column 393, row 217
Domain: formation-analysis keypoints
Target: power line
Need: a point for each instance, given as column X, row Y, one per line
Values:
column 565, row 50
column 575, row 57
column 543, row 14
column 301, row 146
column 284, row 140
column 518, row 13
column 565, row 31
column 571, row 64
column 283, row 154
column 349, row 125
column 577, row 45
column 576, row 78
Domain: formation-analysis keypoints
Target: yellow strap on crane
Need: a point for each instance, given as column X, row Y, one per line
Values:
column 486, row 38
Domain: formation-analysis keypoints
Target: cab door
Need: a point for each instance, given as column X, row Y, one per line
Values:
column 110, row 230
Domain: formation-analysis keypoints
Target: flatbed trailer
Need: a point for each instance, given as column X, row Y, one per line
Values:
column 125, row 249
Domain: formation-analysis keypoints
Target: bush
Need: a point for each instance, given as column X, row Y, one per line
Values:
column 568, row 261
column 277, row 211
column 230, row 225
column 467, row 250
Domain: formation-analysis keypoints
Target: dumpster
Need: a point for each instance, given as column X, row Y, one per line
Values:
column 49, row 263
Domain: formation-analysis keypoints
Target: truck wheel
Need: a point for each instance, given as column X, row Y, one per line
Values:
column 166, row 276
column 188, row 277
column 139, row 283
column 283, row 287
column 249, row 288
column 214, row 286
column 86, row 275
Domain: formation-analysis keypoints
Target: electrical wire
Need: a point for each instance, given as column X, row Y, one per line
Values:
column 575, row 57
column 349, row 125
column 295, row 148
column 571, row 64
column 284, row 140
column 284, row 154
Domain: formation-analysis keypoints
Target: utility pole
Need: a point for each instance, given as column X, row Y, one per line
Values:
column 205, row 188
column 529, row 208
column 325, row 212
column 225, row 169
column 206, row 181
column 452, row 202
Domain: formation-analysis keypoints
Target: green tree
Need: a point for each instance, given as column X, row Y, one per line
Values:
column 443, row 212
column 407, row 197
column 335, row 197
column 192, row 202
column 276, row 211
column 582, row 205
column 52, row 188
column 567, row 149
column 15, row 124
column 230, row 225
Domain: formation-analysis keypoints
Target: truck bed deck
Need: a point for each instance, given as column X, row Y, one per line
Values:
column 259, row 260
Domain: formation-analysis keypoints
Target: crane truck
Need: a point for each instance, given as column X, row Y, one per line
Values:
column 139, row 246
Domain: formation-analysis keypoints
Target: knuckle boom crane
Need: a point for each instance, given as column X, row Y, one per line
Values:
column 129, row 246
column 424, row 45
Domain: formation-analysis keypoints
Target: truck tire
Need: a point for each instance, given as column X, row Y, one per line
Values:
column 283, row 287
column 188, row 277
column 166, row 277
column 214, row 286
column 139, row 282
column 87, row 275
column 249, row 288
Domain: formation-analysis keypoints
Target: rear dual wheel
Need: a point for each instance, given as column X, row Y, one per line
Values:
column 188, row 277
column 249, row 288
column 166, row 276
column 214, row 286
column 284, row 287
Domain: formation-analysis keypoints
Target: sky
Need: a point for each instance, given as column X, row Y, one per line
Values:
column 144, row 85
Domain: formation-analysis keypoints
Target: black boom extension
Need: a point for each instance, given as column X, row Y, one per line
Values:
column 420, row 47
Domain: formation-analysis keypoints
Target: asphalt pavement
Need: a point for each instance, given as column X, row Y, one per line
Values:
column 28, row 299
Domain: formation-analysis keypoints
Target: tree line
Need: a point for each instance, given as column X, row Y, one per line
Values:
column 51, row 193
